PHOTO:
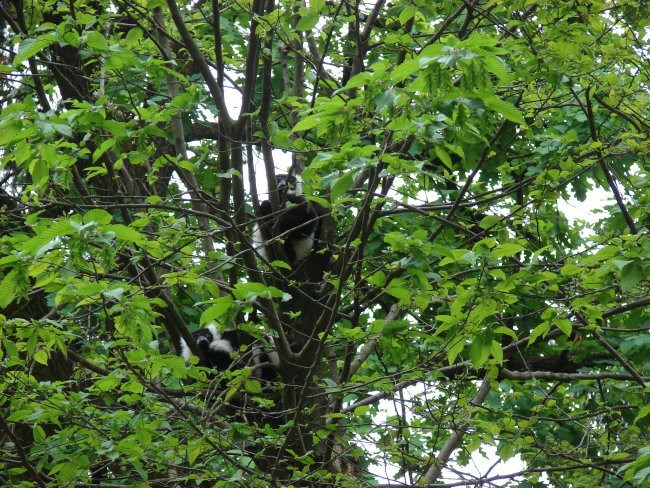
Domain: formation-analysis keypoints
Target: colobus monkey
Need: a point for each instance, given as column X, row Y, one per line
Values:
column 296, row 224
column 218, row 348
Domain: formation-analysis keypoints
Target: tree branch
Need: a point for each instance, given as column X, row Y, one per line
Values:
column 252, row 60
column 179, row 137
column 195, row 52
column 456, row 436
column 552, row 376
column 370, row 346
column 481, row 481
column 36, row 476
column 621, row 360
column 627, row 307
column 588, row 111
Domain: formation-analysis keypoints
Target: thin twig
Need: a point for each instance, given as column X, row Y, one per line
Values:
column 456, row 436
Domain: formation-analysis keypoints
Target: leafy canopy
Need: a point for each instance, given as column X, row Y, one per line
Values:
column 454, row 303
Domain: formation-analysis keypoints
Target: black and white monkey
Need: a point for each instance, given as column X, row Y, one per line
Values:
column 218, row 349
column 296, row 225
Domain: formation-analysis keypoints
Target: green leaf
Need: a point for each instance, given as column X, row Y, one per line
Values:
column 506, row 331
column 116, row 293
column 358, row 80
column 153, row 130
column 46, row 238
column 378, row 278
column 222, row 308
column 444, row 157
column 250, row 291
column 564, row 325
column 118, row 129
column 607, row 252
column 631, row 276
column 307, row 123
column 506, row 109
column 400, row 293
column 97, row 215
column 40, row 171
column 41, row 356
column 496, row 67
column 479, row 351
column 455, row 349
column 307, row 21
column 643, row 412
column 103, row 147
column 187, row 165
column 125, row 233
column 93, row 171
column 570, row 269
column 506, row 450
column 30, row 47
column 154, row 200
column 506, row 250
column 11, row 132
column 406, row 69
column 96, row 40
column 91, row 288
column 280, row 264
column 253, row 386
column 341, row 185
column 107, row 383
column 488, row 221
column 362, row 410
column 64, row 129
column 407, row 14
column 387, row 99
column 539, row 331
column 497, row 352
column 8, row 288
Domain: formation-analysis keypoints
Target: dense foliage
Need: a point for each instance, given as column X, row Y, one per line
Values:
column 450, row 306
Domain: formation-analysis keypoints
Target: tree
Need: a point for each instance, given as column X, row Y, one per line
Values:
column 438, row 136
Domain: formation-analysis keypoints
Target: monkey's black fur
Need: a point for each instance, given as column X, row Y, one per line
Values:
column 296, row 224
column 218, row 349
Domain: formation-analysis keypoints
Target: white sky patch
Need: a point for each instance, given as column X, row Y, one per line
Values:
column 233, row 99
column 591, row 210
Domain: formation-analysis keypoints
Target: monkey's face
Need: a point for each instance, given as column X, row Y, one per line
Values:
column 289, row 184
column 203, row 339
